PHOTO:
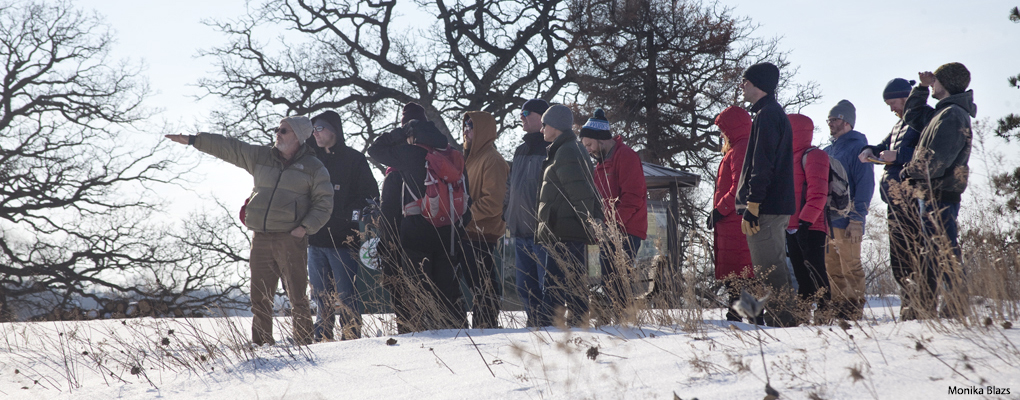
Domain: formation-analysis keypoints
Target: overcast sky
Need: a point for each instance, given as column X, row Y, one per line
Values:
column 851, row 49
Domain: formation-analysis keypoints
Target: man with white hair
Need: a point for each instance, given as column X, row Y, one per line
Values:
column 292, row 199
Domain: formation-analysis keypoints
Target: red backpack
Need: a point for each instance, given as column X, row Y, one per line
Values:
column 446, row 196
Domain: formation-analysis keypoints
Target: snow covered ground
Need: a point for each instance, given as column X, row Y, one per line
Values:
column 878, row 358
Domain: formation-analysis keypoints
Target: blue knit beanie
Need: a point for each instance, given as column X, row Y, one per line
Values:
column 897, row 88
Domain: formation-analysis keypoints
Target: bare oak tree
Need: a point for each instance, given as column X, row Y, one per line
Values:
column 76, row 201
column 663, row 69
column 363, row 59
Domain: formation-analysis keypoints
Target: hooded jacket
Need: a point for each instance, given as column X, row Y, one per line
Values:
column 766, row 176
column 287, row 193
column 861, row 176
column 487, row 174
column 732, row 256
column 408, row 160
column 520, row 204
column 353, row 184
column 811, row 174
column 620, row 180
column 902, row 139
column 939, row 168
column 567, row 200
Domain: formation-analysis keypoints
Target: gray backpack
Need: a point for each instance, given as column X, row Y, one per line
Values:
column 837, row 203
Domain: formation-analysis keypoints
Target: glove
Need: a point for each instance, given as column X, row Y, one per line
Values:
column 749, row 226
column 714, row 218
column 803, row 226
column 855, row 231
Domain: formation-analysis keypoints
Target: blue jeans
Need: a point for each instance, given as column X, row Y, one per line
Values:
column 565, row 284
column 331, row 273
column 530, row 261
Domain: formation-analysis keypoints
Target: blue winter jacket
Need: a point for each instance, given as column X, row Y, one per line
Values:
column 861, row 175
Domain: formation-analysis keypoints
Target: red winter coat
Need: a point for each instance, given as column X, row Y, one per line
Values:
column 817, row 173
column 620, row 180
column 731, row 254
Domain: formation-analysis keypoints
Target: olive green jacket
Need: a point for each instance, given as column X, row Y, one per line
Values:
column 287, row 194
column 567, row 201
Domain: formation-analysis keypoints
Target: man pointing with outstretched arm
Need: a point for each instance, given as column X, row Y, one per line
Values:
column 292, row 198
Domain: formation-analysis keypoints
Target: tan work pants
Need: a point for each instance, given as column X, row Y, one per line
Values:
column 276, row 256
column 843, row 264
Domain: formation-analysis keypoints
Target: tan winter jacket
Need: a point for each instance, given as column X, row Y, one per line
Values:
column 486, row 176
column 286, row 195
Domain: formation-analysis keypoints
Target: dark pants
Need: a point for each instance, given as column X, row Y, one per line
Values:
column 939, row 237
column 806, row 249
column 565, row 284
column 904, row 256
column 480, row 274
column 432, row 298
column 615, row 274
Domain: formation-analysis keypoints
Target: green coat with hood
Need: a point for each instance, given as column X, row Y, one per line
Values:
column 486, row 176
column 567, row 200
column 287, row 193
column 939, row 170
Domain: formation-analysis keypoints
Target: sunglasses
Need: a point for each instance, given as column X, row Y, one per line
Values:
column 525, row 113
column 281, row 131
column 469, row 124
column 318, row 128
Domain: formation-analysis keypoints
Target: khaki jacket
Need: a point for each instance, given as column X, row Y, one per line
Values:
column 486, row 176
column 286, row 194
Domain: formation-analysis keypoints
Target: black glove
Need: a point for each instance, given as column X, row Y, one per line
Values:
column 750, row 225
column 803, row 226
column 714, row 218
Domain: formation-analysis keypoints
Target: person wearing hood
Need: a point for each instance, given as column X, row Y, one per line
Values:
column 292, row 199
column 429, row 295
column 568, row 210
column 487, row 173
column 895, row 151
column 732, row 258
column 938, row 173
column 765, row 190
column 620, row 180
column 520, row 208
column 332, row 259
column 843, row 256
column 807, row 231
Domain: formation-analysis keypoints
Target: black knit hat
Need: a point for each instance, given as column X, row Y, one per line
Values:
column 536, row 106
column 953, row 76
column 413, row 111
column 597, row 127
column 764, row 76
column 897, row 88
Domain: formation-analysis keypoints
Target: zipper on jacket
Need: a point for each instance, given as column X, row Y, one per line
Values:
column 265, row 219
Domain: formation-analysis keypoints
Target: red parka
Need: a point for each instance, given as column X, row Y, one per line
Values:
column 731, row 254
column 620, row 180
column 815, row 170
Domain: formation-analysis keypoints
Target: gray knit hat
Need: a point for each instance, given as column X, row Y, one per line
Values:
column 301, row 125
column 846, row 111
column 560, row 117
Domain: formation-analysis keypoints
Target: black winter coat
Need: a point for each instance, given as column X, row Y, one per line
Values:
column 520, row 206
column 939, row 168
column 767, row 174
column 353, row 184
